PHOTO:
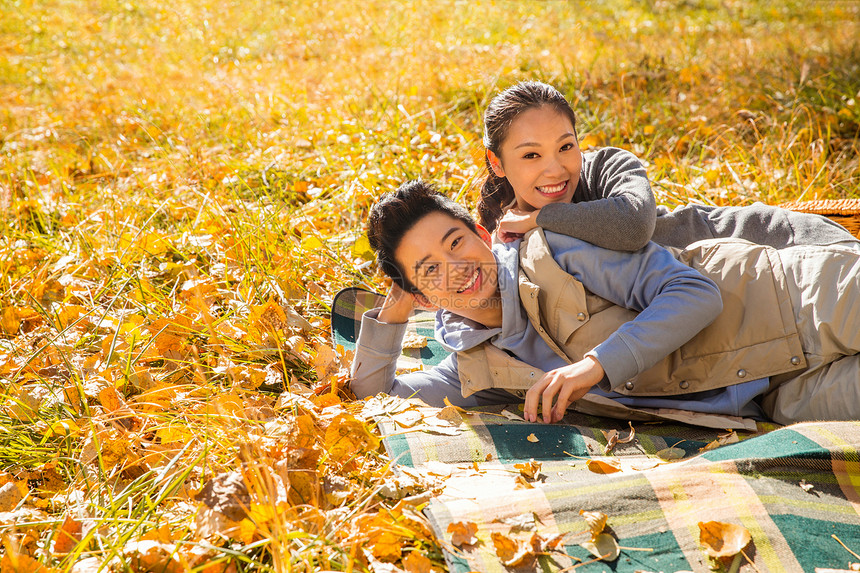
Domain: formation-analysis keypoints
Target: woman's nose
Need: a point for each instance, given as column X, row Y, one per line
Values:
column 553, row 167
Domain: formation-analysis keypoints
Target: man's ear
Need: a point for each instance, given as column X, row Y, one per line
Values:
column 495, row 164
column 424, row 302
column 484, row 234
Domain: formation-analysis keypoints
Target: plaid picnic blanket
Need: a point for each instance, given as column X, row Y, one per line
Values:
column 796, row 489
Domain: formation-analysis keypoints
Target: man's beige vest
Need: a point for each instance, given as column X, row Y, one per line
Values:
column 755, row 335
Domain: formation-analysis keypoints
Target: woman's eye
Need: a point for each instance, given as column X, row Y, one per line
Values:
column 531, row 155
column 455, row 242
column 566, row 146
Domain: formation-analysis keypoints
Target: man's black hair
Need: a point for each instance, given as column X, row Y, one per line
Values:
column 395, row 213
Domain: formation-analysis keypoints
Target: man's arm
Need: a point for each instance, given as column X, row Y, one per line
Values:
column 674, row 301
column 616, row 209
column 375, row 362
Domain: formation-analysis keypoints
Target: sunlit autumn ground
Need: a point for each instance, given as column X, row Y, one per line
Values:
column 183, row 187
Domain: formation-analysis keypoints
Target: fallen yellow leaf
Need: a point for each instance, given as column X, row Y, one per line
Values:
column 603, row 466
column 603, row 546
column 596, row 521
column 529, row 469
column 417, row 563
column 669, row 454
column 723, row 539
column 511, row 552
column 463, row 533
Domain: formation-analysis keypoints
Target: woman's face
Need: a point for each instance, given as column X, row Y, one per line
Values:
column 540, row 158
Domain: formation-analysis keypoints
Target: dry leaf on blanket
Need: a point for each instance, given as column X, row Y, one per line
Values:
column 603, row 547
column 532, row 438
column 630, row 436
column 596, row 521
column 723, row 539
column 541, row 545
column 434, row 467
column 529, row 469
column 511, row 416
column 805, row 485
column 603, row 466
column 669, row 454
column 450, row 414
column 511, row 552
column 521, row 483
column 722, row 440
column 612, row 438
column 414, row 340
column 522, row 522
column 463, row 533
column 408, row 418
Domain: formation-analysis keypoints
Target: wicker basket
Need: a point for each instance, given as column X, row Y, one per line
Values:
column 846, row 212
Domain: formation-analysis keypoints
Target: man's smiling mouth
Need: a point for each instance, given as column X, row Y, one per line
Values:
column 471, row 282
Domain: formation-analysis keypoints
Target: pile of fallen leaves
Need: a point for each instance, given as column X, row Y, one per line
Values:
column 132, row 456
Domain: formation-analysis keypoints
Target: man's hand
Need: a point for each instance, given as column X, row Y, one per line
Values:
column 515, row 223
column 562, row 385
column 399, row 305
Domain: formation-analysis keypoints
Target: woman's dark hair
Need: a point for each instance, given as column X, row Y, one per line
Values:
column 396, row 212
column 496, row 192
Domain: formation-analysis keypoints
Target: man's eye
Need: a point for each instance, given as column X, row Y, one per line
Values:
column 430, row 269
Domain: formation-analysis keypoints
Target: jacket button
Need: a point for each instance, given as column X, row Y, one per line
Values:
column 742, row 373
column 532, row 374
column 532, row 294
column 540, row 329
column 795, row 360
column 629, row 385
column 684, row 384
column 580, row 317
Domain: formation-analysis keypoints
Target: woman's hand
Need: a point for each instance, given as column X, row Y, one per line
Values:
column 399, row 305
column 563, row 385
column 515, row 223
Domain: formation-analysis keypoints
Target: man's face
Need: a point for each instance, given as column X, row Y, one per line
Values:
column 451, row 265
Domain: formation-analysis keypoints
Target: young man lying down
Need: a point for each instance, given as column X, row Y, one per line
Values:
column 724, row 327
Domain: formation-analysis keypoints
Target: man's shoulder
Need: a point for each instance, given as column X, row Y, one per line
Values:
column 540, row 243
column 557, row 242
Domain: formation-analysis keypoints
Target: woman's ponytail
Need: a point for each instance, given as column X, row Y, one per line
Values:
column 496, row 193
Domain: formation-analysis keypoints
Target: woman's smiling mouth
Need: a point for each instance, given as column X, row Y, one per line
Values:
column 553, row 190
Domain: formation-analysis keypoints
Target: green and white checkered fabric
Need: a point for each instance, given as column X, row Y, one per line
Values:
column 351, row 303
column 793, row 488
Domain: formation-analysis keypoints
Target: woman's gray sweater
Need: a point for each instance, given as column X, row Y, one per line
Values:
column 613, row 207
